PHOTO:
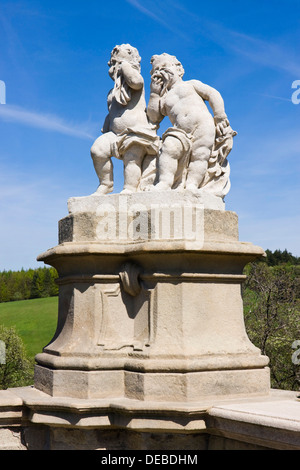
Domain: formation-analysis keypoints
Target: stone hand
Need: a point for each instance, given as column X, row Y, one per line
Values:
column 222, row 123
column 156, row 84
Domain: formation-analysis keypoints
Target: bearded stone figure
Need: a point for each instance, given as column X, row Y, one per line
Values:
column 194, row 151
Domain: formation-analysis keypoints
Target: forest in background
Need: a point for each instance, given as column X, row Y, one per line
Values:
column 28, row 284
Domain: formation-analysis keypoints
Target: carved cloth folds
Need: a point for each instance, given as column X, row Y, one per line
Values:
column 145, row 137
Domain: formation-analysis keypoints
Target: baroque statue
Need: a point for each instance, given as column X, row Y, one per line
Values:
column 191, row 155
column 127, row 132
column 193, row 152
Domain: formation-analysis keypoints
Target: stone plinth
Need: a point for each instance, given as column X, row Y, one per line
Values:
column 32, row 420
column 150, row 305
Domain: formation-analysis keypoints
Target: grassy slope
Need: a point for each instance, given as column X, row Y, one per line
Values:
column 34, row 320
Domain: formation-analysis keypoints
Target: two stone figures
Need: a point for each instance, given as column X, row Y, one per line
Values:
column 190, row 155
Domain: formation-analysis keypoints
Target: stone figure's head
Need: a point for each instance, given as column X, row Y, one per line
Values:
column 166, row 69
column 123, row 53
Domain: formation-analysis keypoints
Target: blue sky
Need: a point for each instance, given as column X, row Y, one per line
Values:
column 54, row 64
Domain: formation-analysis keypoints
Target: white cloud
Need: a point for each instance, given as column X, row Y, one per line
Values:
column 173, row 16
column 163, row 11
column 146, row 11
column 48, row 122
column 280, row 98
column 266, row 53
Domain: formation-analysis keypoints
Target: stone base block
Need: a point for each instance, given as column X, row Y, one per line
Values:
column 194, row 386
column 157, row 387
column 79, row 384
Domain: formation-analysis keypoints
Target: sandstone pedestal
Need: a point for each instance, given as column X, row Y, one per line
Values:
column 150, row 351
column 150, row 305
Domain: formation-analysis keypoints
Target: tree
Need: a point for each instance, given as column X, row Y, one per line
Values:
column 272, row 318
column 36, row 286
column 30, row 284
column 17, row 370
column 281, row 257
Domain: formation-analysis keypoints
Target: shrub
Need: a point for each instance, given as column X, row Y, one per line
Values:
column 17, row 370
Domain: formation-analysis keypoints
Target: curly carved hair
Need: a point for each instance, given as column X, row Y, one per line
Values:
column 167, row 58
column 128, row 51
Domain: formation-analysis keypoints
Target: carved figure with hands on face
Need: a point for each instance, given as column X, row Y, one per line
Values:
column 127, row 133
column 191, row 155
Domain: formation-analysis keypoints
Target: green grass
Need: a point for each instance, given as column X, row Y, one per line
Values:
column 34, row 320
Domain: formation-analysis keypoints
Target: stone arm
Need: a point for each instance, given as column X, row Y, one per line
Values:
column 154, row 112
column 214, row 98
column 106, row 123
column 132, row 76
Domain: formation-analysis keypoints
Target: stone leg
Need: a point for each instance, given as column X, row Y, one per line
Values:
column 168, row 161
column 101, row 155
column 132, row 159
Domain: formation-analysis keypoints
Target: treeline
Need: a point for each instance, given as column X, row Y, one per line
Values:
column 278, row 257
column 40, row 282
column 28, row 284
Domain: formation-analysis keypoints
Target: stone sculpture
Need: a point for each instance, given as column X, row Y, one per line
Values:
column 191, row 155
column 150, row 332
column 127, row 133
column 194, row 151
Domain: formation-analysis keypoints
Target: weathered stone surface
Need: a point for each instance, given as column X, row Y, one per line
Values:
column 153, row 318
column 191, row 155
column 137, row 218
column 49, row 423
column 10, row 439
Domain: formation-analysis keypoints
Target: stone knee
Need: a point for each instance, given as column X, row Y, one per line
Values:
column 101, row 148
column 197, row 167
column 132, row 160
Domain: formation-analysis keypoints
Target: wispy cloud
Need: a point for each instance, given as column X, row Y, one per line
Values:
column 280, row 98
column 146, row 11
column 266, row 53
column 48, row 122
column 173, row 16
column 163, row 15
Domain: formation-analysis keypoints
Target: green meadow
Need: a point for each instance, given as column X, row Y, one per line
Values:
column 34, row 320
